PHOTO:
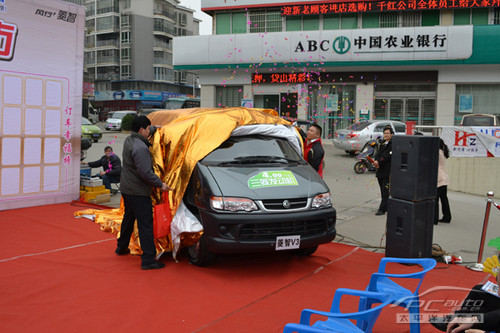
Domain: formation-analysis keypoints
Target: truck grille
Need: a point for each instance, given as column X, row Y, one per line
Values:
column 277, row 204
column 269, row 231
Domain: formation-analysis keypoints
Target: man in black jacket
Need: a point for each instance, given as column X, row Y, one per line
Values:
column 111, row 167
column 137, row 180
column 383, row 165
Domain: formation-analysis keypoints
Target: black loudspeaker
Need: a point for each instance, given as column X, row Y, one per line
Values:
column 409, row 228
column 414, row 167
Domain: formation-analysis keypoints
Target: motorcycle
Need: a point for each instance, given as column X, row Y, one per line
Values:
column 365, row 157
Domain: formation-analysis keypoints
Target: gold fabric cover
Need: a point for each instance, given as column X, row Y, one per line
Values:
column 184, row 137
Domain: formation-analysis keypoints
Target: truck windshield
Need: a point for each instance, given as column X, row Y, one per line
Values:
column 253, row 148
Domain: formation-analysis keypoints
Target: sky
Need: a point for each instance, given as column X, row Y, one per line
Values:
column 206, row 24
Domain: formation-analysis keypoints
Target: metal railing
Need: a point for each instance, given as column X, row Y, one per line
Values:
column 478, row 266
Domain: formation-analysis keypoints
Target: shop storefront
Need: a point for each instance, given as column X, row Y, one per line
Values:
column 431, row 71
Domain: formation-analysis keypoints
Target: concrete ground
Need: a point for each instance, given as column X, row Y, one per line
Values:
column 356, row 198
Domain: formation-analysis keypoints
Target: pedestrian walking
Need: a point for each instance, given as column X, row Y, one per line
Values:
column 137, row 180
column 443, row 182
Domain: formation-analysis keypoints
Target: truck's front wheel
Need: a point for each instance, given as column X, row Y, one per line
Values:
column 199, row 255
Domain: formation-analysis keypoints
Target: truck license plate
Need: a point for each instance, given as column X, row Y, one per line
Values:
column 287, row 242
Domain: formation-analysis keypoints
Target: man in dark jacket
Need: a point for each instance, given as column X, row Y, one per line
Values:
column 383, row 165
column 111, row 166
column 137, row 180
column 313, row 148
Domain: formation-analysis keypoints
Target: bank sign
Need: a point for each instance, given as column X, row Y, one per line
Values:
column 388, row 44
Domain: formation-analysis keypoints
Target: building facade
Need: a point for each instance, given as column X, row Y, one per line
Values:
column 128, row 52
column 336, row 62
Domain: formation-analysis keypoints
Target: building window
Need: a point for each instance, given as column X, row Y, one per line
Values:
column 162, row 58
column 223, row 23
column 108, row 6
column 125, row 22
column 461, row 17
column 370, row 20
column 126, row 71
column 496, row 16
column 125, row 37
column 89, row 58
column 90, row 11
column 180, row 77
column 106, row 56
column 479, row 16
column 228, row 96
column 310, row 22
column 293, row 23
column 182, row 18
column 238, row 23
column 485, row 98
column 125, row 54
column 163, row 74
column 401, row 19
column 331, row 22
column 163, row 25
column 107, row 23
column 410, row 19
column 430, row 18
column 265, row 21
column 349, row 21
column 226, row 23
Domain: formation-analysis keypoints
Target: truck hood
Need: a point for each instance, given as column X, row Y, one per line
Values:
column 275, row 181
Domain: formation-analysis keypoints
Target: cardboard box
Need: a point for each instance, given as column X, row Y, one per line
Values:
column 96, row 196
column 92, row 188
column 101, row 198
column 94, row 181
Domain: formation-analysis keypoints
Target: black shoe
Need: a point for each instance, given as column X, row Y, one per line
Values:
column 441, row 323
column 380, row 212
column 443, row 220
column 155, row 265
column 121, row 252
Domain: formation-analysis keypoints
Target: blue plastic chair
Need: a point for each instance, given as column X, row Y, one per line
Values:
column 336, row 321
column 384, row 283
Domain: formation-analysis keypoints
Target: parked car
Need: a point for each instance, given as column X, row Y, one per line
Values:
column 353, row 138
column 478, row 119
column 90, row 130
column 115, row 122
column 256, row 193
column 104, row 115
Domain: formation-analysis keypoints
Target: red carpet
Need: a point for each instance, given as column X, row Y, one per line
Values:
column 60, row 274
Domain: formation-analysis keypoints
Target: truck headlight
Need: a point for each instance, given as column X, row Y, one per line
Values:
column 322, row 200
column 233, row 204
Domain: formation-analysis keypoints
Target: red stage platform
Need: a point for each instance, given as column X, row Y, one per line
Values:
column 60, row 274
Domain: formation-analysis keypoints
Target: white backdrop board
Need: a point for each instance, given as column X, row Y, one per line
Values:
column 41, row 68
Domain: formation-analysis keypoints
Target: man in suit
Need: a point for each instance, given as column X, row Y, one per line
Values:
column 383, row 165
